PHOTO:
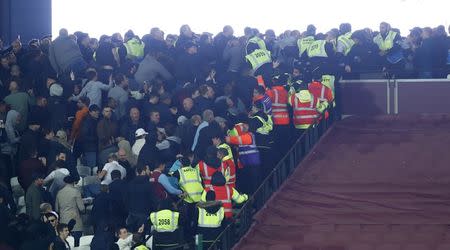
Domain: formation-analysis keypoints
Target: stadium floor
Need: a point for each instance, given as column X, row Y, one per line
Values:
column 370, row 184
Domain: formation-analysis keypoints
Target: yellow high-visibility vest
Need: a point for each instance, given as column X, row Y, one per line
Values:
column 347, row 41
column 317, row 49
column 191, row 183
column 304, row 43
column 135, row 49
column 258, row 41
column 228, row 148
column 165, row 220
column 267, row 125
column 387, row 43
column 208, row 220
column 258, row 58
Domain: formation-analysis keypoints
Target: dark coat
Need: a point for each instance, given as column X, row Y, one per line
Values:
column 88, row 134
column 141, row 196
column 118, row 190
column 149, row 153
column 128, row 129
column 57, row 108
column 205, row 138
column 28, row 143
column 202, row 103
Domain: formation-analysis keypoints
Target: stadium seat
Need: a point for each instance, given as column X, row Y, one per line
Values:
column 21, row 201
column 149, row 242
column 71, row 241
column 86, row 240
column 83, row 171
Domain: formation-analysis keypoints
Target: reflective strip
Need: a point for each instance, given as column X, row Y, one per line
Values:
column 240, row 139
column 281, row 116
column 305, row 109
column 249, row 152
column 228, row 210
column 205, row 170
column 195, row 193
column 322, row 92
column 306, row 116
column 276, row 95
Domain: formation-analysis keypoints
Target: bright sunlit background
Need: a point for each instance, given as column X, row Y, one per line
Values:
column 98, row 17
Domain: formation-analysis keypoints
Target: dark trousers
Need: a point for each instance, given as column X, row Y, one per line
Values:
column 248, row 179
column 189, row 211
column 76, row 236
column 283, row 141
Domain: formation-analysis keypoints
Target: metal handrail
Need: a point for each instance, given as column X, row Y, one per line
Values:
column 243, row 219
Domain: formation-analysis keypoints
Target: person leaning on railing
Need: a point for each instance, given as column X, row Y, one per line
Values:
column 209, row 218
column 224, row 193
column 306, row 108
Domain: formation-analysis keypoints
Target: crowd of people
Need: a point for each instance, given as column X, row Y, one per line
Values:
column 170, row 127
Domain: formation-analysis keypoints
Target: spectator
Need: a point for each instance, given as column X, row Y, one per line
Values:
column 34, row 196
column 140, row 135
column 141, row 198
column 118, row 190
column 131, row 124
column 65, row 55
column 19, row 101
column 105, row 174
column 88, row 136
column 56, row 177
column 93, row 89
column 120, row 94
column 107, row 132
column 150, row 67
column 69, row 205
column 32, row 165
column 60, row 243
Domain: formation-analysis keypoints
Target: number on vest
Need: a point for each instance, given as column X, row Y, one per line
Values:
column 163, row 222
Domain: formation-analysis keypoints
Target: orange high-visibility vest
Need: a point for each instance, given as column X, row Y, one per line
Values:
column 305, row 113
column 206, row 172
column 322, row 93
column 224, row 194
column 229, row 172
column 279, row 97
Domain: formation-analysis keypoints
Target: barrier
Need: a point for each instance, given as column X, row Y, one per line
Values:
column 394, row 96
column 285, row 167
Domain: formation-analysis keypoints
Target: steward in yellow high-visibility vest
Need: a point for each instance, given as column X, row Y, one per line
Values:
column 166, row 223
column 210, row 215
column 386, row 38
column 261, row 125
column 344, row 41
column 303, row 44
column 189, row 181
column 255, row 40
column 135, row 49
column 258, row 58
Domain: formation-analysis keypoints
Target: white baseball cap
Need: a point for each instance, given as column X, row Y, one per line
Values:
column 139, row 132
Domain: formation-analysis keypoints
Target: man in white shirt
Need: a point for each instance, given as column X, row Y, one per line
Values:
column 105, row 174
column 125, row 241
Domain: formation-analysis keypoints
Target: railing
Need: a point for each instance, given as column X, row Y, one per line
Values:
column 244, row 219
